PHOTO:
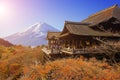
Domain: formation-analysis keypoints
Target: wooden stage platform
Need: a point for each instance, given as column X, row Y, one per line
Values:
column 76, row 51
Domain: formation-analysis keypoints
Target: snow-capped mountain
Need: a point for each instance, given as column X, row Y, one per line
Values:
column 33, row 36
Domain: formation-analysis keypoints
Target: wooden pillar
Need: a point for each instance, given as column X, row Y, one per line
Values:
column 51, row 43
column 48, row 43
column 79, row 43
column 54, row 43
column 64, row 43
column 68, row 43
column 73, row 44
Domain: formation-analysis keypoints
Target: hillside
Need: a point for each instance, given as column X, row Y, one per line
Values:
column 5, row 43
column 25, row 63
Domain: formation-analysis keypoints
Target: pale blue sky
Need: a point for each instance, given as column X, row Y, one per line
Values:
column 24, row 13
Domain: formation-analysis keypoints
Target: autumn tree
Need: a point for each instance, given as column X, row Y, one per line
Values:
column 109, row 48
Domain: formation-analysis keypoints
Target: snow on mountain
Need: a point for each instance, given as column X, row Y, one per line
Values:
column 33, row 36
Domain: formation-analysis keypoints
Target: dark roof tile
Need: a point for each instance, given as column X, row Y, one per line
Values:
column 103, row 15
column 52, row 35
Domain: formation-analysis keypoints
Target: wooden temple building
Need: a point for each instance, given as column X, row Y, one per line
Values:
column 53, row 39
column 80, row 37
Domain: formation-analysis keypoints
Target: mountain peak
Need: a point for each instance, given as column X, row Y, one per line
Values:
column 40, row 27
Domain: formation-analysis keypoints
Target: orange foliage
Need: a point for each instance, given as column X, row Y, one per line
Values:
column 72, row 69
column 14, row 68
column 29, row 64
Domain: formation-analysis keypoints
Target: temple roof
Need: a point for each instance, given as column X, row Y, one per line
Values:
column 53, row 35
column 84, row 30
column 104, row 15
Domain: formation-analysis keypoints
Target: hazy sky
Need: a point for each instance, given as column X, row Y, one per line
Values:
column 17, row 15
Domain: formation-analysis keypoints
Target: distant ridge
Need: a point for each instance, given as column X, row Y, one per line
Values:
column 5, row 43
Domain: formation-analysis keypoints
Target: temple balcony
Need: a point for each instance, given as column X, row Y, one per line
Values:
column 69, row 50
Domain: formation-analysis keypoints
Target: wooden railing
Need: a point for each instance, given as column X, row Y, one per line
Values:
column 79, row 51
column 71, row 51
column 51, row 51
column 74, row 51
column 55, row 51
